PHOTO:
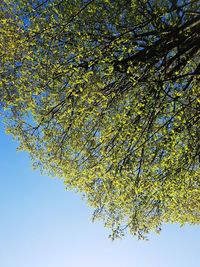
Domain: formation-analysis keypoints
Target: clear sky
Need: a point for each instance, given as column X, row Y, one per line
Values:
column 43, row 225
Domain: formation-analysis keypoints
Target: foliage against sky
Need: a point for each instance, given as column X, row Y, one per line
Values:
column 106, row 94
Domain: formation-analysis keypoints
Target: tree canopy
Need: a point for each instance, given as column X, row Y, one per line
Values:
column 105, row 94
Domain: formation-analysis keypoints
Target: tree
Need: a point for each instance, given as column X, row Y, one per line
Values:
column 105, row 94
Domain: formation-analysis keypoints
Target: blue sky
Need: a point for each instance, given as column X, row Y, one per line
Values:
column 43, row 225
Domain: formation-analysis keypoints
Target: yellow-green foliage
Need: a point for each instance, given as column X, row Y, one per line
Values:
column 106, row 95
